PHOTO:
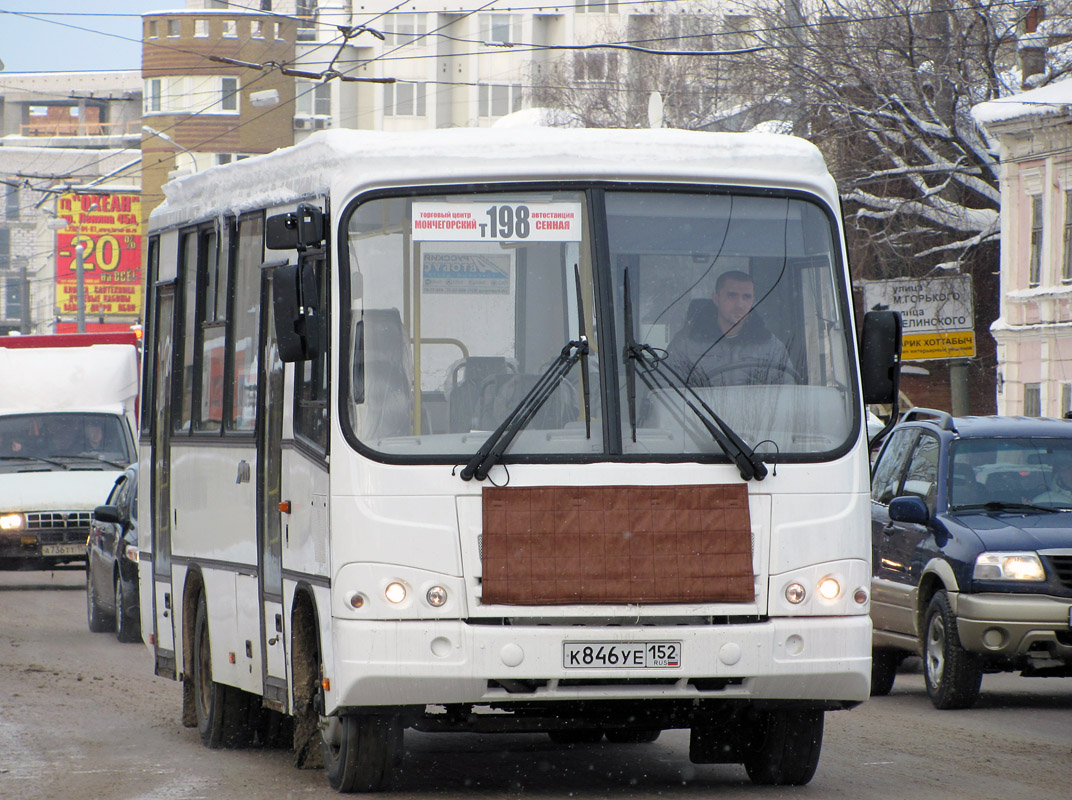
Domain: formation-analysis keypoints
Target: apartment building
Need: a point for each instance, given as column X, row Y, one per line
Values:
column 60, row 134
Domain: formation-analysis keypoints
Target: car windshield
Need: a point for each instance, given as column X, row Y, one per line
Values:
column 1012, row 471
column 728, row 314
column 63, row 438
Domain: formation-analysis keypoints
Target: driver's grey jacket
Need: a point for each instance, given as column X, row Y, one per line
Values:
column 704, row 356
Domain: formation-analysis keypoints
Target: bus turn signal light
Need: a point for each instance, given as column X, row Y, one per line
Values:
column 284, row 507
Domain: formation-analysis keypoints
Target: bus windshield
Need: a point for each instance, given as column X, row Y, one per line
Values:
column 703, row 312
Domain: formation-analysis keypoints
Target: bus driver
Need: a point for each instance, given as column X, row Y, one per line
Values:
column 724, row 344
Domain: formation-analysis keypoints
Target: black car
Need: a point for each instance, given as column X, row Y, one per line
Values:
column 112, row 562
column 971, row 525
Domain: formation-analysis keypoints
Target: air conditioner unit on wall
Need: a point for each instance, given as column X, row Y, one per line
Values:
column 311, row 123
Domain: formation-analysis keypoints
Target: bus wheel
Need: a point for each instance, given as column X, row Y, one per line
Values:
column 223, row 712
column 633, row 737
column 361, row 752
column 786, row 747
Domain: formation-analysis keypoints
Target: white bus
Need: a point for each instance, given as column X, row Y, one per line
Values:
column 425, row 450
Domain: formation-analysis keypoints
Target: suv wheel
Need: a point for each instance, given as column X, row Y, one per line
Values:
column 953, row 675
column 884, row 663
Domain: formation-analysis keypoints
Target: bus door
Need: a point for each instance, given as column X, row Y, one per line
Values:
column 269, row 497
column 163, row 597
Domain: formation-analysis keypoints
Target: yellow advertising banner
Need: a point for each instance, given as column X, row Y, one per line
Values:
column 108, row 226
column 919, row 346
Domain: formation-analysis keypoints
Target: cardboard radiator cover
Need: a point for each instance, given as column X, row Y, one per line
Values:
column 556, row 545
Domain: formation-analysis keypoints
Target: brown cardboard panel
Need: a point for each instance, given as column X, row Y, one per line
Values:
column 556, row 545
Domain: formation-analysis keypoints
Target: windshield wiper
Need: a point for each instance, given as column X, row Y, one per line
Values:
column 657, row 374
column 491, row 452
column 582, row 333
column 35, row 458
column 1000, row 505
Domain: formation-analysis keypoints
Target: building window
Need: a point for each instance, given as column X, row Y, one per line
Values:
column 1034, row 267
column 11, row 202
column 201, row 28
column 312, row 99
column 229, row 94
column 595, row 66
column 151, row 30
column 174, row 28
column 498, row 100
column 257, row 29
column 305, row 11
column 500, row 28
column 5, row 249
column 153, row 95
column 13, row 298
column 230, row 29
column 1066, row 261
column 597, row 6
column 405, row 29
column 404, row 100
column 1032, row 399
column 1066, row 400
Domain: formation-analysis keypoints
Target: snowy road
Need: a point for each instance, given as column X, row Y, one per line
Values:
column 83, row 718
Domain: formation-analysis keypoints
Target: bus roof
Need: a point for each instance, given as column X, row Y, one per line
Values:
column 349, row 160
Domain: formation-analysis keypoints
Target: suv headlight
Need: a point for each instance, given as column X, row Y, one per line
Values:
column 12, row 522
column 1008, row 567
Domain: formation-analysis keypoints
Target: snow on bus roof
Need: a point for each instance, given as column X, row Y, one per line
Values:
column 347, row 159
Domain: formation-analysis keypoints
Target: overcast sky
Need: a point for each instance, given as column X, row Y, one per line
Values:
column 74, row 35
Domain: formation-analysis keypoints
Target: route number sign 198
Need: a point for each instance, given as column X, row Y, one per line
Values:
column 496, row 222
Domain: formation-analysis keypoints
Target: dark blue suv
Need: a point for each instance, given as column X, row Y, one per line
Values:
column 971, row 528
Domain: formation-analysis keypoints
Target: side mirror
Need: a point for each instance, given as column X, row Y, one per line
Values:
column 880, row 357
column 295, row 306
column 106, row 514
column 909, row 509
column 296, row 230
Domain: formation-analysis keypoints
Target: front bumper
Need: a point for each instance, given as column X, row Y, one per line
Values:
column 50, row 546
column 1013, row 625
column 824, row 659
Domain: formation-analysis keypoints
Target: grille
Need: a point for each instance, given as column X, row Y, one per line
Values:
column 1062, row 567
column 59, row 527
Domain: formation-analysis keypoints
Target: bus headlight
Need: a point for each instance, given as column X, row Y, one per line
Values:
column 12, row 522
column 829, row 588
column 436, row 596
column 795, row 593
column 395, row 592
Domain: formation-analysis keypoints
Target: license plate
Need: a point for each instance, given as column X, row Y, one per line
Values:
column 621, row 655
column 63, row 549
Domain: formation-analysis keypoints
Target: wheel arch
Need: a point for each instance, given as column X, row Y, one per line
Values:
column 191, row 592
column 305, row 647
column 937, row 576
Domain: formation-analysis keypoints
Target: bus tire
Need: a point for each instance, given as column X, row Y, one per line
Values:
column 361, row 752
column 126, row 627
column 785, row 748
column 223, row 712
column 98, row 621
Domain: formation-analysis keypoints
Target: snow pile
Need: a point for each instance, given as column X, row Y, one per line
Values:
column 1051, row 100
